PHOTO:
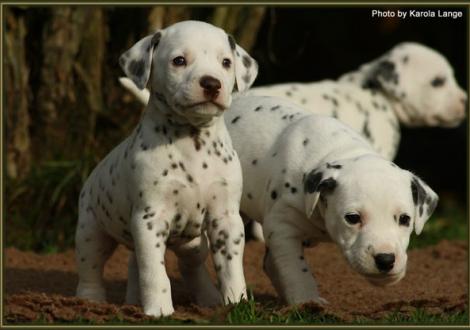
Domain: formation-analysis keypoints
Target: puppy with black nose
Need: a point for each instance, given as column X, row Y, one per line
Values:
column 309, row 178
column 176, row 180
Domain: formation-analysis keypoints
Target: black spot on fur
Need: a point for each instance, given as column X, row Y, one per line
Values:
column 275, row 108
column 254, row 161
column 247, row 78
column 438, row 82
column 246, row 61
column 312, row 181
column 366, row 130
column 335, row 166
column 418, row 193
column 305, row 142
column 231, row 42
column 327, row 185
column 137, row 67
column 273, row 194
column 234, row 120
column 382, row 71
column 258, row 108
column 156, row 39
column 293, row 190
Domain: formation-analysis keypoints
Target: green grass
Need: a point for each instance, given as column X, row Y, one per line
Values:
column 250, row 312
column 41, row 210
column 449, row 222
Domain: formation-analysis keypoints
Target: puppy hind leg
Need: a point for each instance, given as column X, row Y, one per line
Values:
column 191, row 262
column 132, row 290
column 93, row 247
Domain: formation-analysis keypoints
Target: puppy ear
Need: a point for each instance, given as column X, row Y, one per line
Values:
column 137, row 61
column 382, row 75
column 246, row 68
column 320, row 181
column 424, row 200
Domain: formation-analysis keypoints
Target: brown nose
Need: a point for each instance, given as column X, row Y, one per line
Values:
column 210, row 85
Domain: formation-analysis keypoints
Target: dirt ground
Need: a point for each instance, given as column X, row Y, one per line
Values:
column 41, row 287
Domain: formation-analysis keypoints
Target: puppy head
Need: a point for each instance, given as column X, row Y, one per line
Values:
column 195, row 67
column 370, row 207
column 423, row 81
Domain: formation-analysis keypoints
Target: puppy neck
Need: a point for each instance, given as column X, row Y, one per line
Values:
column 158, row 110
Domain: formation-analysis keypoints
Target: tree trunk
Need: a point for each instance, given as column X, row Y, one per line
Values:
column 17, row 97
column 70, row 93
column 247, row 30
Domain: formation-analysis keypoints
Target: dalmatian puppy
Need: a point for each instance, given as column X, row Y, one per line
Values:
column 411, row 85
column 309, row 178
column 176, row 180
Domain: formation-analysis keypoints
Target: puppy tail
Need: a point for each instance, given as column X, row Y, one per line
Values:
column 142, row 95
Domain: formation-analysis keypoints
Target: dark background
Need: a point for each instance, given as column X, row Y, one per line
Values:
column 62, row 120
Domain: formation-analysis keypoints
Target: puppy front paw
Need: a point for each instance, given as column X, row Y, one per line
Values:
column 159, row 310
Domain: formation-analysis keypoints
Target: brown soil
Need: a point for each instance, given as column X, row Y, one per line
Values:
column 42, row 286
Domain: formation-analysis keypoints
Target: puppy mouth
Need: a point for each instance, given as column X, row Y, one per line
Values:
column 449, row 122
column 221, row 107
column 384, row 279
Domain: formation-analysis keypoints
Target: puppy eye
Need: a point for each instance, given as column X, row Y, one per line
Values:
column 404, row 220
column 226, row 63
column 438, row 81
column 352, row 218
column 179, row 61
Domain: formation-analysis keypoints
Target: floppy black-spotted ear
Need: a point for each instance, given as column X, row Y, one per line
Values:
column 321, row 180
column 382, row 75
column 137, row 61
column 424, row 200
column 246, row 68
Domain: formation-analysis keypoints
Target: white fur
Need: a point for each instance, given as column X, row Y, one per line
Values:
column 377, row 111
column 175, row 181
column 282, row 148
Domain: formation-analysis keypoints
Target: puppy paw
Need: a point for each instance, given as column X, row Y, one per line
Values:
column 159, row 310
column 93, row 293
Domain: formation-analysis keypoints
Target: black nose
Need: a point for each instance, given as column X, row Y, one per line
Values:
column 211, row 86
column 384, row 261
